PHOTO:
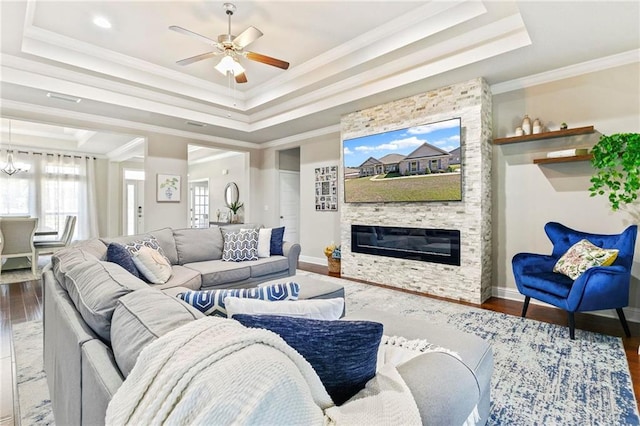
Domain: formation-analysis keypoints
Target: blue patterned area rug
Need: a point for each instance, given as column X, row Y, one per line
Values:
column 540, row 378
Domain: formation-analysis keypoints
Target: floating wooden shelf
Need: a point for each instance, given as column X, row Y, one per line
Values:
column 546, row 135
column 585, row 157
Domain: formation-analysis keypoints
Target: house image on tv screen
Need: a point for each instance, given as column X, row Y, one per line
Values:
column 378, row 167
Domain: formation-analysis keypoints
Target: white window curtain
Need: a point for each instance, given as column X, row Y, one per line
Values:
column 52, row 187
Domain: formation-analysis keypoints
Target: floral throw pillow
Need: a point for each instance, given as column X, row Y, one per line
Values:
column 582, row 256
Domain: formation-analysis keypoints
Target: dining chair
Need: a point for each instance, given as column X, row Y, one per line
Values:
column 17, row 240
column 52, row 246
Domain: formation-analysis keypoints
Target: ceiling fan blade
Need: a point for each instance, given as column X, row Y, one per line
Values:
column 246, row 37
column 192, row 34
column 241, row 78
column 267, row 60
column 197, row 58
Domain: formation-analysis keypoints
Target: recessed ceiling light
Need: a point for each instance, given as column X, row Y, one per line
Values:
column 63, row 97
column 102, row 22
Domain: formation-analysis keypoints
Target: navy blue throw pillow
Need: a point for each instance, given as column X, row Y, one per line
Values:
column 117, row 253
column 343, row 353
column 277, row 235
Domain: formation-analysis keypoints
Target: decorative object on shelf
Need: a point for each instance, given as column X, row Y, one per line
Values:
column 10, row 168
column 617, row 161
column 568, row 152
column 526, row 125
column 537, row 126
column 168, row 188
column 327, row 188
column 519, row 131
column 334, row 255
column 563, row 126
column 235, row 208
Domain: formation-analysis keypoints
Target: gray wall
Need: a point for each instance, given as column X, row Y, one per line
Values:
column 526, row 196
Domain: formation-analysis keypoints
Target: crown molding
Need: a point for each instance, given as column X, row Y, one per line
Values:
column 493, row 39
column 126, row 151
column 406, row 29
column 7, row 106
column 625, row 58
column 303, row 136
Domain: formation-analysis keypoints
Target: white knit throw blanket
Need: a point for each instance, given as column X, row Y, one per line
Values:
column 216, row 371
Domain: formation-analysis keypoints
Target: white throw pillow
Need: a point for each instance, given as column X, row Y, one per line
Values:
column 320, row 309
column 264, row 242
column 153, row 265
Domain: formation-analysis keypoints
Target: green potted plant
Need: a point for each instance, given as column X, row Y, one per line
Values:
column 235, row 208
column 616, row 159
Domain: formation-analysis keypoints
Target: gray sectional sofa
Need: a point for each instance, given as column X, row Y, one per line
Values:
column 98, row 317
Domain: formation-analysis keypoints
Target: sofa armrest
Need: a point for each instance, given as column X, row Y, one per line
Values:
column 292, row 252
column 445, row 390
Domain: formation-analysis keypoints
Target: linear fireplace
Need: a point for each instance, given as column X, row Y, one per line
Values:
column 427, row 245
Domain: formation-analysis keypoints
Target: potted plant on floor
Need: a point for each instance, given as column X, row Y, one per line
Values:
column 616, row 159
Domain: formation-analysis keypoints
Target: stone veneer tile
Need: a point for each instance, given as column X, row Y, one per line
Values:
column 471, row 282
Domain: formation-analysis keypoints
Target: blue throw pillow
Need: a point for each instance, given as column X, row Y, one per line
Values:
column 211, row 302
column 277, row 235
column 343, row 353
column 117, row 253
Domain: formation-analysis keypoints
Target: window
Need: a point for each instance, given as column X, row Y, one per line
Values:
column 50, row 187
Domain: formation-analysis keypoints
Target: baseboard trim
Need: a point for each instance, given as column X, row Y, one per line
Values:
column 322, row 261
column 632, row 314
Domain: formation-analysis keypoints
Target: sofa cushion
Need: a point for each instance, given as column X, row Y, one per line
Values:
column 264, row 242
column 153, row 266
column 270, row 265
column 140, row 318
column 240, row 245
column 164, row 238
column 116, row 253
column 94, row 287
column 212, row 302
column 216, row 272
column 277, row 237
column 181, row 276
column 197, row 245
column 343, row 353
column 64, row 260
column 327, row 309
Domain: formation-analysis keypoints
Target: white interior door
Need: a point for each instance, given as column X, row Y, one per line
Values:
column 133, row 210
column 290, row 204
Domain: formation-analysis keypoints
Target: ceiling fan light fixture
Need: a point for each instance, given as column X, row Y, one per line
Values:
column 229, row 65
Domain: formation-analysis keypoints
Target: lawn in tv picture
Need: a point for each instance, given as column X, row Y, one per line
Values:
column 420, row 163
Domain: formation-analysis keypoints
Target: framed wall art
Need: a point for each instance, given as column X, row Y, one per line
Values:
column 327, row 188
column 168, row 188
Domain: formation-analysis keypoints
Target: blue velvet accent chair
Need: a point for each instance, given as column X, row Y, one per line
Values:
column 600, row 287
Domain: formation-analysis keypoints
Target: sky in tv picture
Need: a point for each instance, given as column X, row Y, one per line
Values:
column 443, row 134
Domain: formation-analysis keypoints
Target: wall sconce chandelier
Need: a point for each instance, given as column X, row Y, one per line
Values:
column 10, row 168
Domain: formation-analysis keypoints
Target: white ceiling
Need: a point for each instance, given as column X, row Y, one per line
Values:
column 344, row 56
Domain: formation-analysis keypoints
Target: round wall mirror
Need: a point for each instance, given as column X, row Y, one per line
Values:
column 231, row 194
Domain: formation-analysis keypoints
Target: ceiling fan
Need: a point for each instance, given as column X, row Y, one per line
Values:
column 230, row 47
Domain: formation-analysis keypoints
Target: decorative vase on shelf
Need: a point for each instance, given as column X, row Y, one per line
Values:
column 519, row 131
column 526, row 125
column 537, row 126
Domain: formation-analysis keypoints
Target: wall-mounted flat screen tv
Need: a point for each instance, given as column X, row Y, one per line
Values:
column 420, row 163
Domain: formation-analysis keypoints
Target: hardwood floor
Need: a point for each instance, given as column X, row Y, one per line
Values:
column 20, row 302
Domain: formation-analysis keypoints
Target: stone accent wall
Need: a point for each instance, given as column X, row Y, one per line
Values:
column 471, row 282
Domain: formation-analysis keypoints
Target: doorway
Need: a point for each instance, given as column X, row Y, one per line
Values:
column 133, row 194
column 290, row 204
column 199, row 203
